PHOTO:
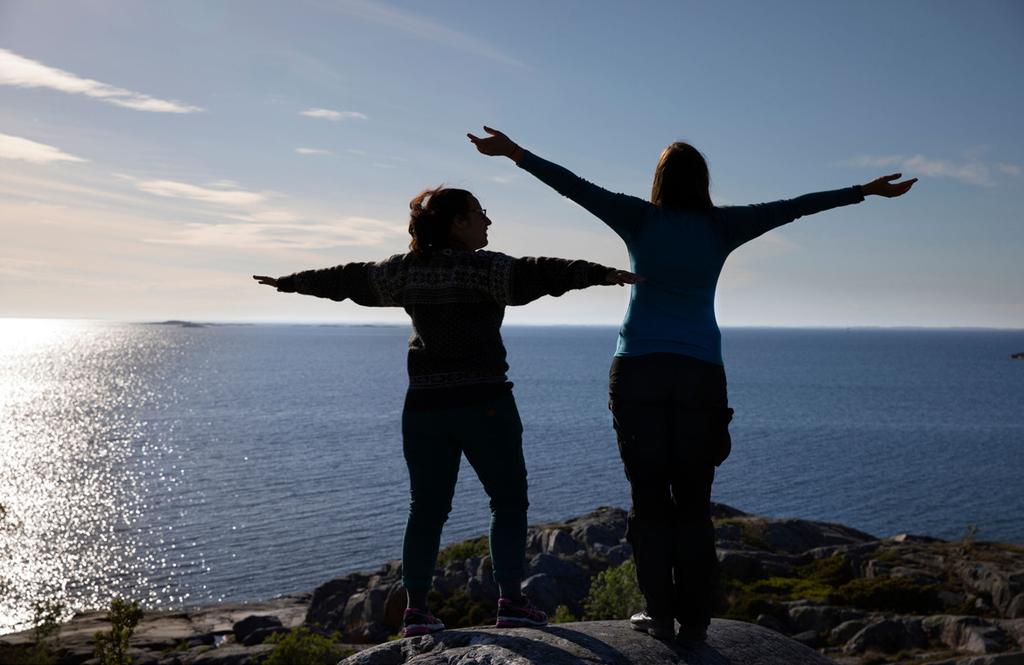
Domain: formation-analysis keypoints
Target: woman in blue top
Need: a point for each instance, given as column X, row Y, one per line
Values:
column 667, row 387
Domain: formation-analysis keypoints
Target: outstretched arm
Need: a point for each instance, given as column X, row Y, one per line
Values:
column 621, row 212
column 360, row 282
column 744, row 223
column 529, row 278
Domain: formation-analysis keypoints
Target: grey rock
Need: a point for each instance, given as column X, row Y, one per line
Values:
column 250, row 624
column 1015, row 658
column 887, row 636
column 1015, row 610
column 329, row 600
column 971, row 634
column 821, row 618
column 233, row 654
column 587, row 643
column 810, row 638
column 556, row 541
column 845, row 631
column 772, row 623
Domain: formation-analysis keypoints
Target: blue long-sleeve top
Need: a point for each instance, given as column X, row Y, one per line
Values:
column 680, row 253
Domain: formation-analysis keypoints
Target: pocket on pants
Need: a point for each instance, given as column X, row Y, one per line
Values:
column 722, row 440
column 711, row 427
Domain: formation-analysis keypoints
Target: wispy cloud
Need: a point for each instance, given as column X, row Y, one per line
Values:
column 14, row 147
column 344, row 232
column 21, row 72
column 972, row 172
column 335, row 116
column 312, row 151
column 423, row 28
column 182, row 190
column 1010, row 169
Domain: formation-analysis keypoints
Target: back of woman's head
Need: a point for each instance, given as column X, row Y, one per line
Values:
column 431, row 214
column 681, row 180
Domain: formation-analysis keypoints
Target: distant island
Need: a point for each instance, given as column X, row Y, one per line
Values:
column 174, row 322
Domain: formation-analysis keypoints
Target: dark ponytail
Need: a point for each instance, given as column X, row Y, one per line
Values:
column 431, row 213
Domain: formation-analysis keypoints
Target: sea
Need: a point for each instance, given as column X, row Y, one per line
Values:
column 183, row 465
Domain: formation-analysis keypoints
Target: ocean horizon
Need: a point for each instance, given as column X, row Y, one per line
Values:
column 187, row 463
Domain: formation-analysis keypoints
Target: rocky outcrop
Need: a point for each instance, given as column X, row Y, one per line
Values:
column 585, row 643
column 851, row 596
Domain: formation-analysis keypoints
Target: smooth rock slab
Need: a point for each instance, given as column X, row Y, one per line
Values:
column 590, row 643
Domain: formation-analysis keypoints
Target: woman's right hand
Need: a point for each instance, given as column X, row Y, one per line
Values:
column 496, row 145
column 263, row 279
column 884, row 186
column 622, row 277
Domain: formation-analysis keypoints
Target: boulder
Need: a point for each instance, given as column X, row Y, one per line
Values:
column 256, row 622
column 887, row 636
column 586, row 643
column 970, row 634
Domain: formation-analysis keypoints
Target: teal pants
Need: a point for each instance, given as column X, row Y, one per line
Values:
column 490, row 434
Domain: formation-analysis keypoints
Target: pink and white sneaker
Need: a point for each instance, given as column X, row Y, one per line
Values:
column 420, row 622
column 519, row 613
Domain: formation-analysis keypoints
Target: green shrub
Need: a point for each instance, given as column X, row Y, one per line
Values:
column 833, row 571
column 464, row 550
column 304, row 647
column 112, row 647
column 459, row 610
column 563, row 615
column 614, row 594
column 888, row 594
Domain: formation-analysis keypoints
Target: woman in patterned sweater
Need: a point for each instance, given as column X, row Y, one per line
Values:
column 459, row 399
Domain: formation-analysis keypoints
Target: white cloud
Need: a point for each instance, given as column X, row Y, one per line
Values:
column 423, row 28
column 312, row 151
column 349, row 231
column 1010, row 169
column 335, row 116
column 354, row 151
column 14, row 147
column 971, row 172
column 21, row 72
column 181, row 190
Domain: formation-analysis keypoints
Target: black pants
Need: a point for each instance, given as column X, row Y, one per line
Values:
column 671, row 418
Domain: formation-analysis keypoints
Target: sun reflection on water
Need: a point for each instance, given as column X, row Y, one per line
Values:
column 79, row 467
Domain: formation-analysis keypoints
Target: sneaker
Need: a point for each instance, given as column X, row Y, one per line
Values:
column 661, row 629
column 691, row 636
column 518, row 613
column 419, row 622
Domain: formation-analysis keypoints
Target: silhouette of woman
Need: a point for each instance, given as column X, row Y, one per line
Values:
column 667, row 387
column 459, row 399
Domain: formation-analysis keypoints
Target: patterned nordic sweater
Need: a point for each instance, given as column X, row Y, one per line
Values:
column 456, row 300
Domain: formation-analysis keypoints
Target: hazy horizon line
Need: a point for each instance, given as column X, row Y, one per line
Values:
column 392, row 324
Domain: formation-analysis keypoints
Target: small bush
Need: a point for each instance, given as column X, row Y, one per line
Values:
column 304, row 647
column 614, row 594
column 563, row 615
column 112, row 647
column 833, row 571
column 464, row 550
column 888, row 594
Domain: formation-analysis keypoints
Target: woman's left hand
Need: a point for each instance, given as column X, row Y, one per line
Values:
column 496, row 145
column 263, row 279
column 623, row 277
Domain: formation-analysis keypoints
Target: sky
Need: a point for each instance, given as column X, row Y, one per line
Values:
column 155, row 155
